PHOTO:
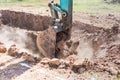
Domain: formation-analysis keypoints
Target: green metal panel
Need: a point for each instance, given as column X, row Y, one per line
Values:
column 67, row 5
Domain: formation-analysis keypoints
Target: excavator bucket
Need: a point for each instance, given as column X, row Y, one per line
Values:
column 46, row 42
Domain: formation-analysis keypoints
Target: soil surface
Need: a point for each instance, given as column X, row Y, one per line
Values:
column 92, row 53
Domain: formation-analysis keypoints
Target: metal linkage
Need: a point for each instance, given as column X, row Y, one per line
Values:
column 65, row 9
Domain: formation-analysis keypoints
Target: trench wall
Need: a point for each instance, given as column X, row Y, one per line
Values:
column 25, row 20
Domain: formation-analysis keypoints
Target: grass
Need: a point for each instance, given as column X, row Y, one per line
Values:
column 23, row 3
column 95, row 6
column 12, row 1
column 88, row 6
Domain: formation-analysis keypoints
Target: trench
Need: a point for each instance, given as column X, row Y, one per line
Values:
column 92, row 40
column 25, row 20
column 25, row 26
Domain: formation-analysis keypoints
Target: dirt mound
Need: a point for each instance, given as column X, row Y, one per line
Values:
column 99, row 48
column 110, row 62
column 2, row 48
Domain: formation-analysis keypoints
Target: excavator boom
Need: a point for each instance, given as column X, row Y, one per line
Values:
column 60, row 29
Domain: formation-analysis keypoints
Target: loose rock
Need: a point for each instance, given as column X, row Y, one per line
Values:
column 45, row 61
column 13, row 50
column 54, row 61
column 113, row 71
column 2, row 48
column 28, row 57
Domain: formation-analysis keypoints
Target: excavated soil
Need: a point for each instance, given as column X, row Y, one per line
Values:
column 91, row 50
column 101, row 50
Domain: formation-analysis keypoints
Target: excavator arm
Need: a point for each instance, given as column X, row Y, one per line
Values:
column 64, row 21
column 61, row 23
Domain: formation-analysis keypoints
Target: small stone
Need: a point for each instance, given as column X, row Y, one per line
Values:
column 55, row 61
column 72, row 58
column 28, row 57
column 117, row 62
column 2, row 49
column 78, row 67
column 37, row 59
column 110, row 14
column 77, row 63
column 81, row 69
column 2, row 64
column 62, row 66
column 13, row 51
column 113, row 71
column 74, row 47
column 45, row 61
column 68, row 63
column 64, row 63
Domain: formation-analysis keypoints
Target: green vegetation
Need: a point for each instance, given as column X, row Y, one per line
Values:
column 112, row 1
column 94, row 6
column 12, row 1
